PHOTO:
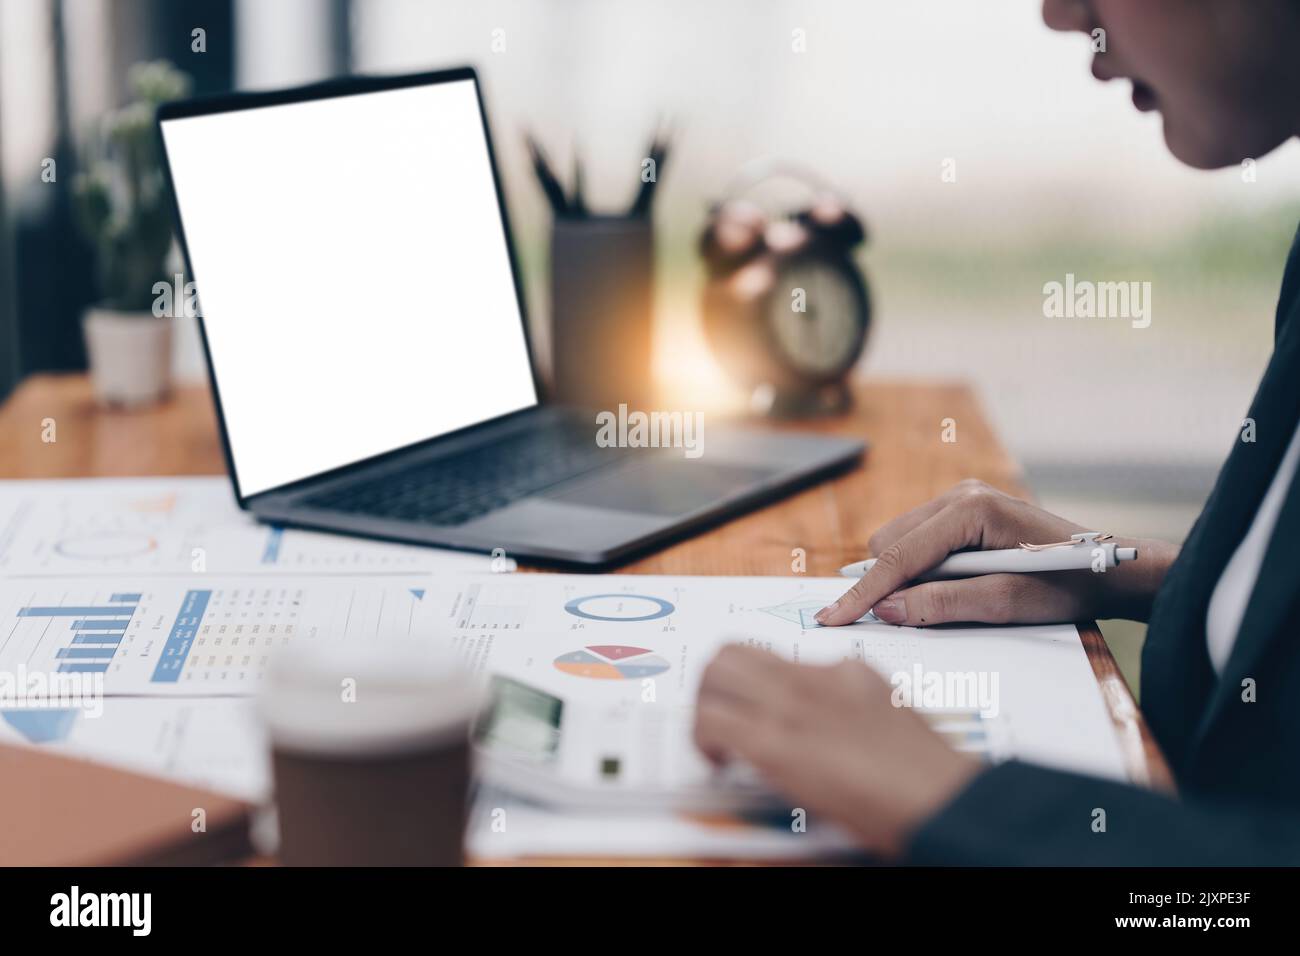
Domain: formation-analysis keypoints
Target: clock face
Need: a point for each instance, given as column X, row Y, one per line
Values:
column 824, row 338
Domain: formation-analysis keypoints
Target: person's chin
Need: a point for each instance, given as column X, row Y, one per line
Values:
column 1197, row 151
column 1218, row 145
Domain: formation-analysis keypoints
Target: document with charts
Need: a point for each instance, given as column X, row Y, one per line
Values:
column 614, row 643
column 606, row 643
column 180, row 526
column 209, row 635
column 211, row 742
column 621, row 641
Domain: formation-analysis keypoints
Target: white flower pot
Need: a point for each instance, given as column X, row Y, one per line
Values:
column 130, row 356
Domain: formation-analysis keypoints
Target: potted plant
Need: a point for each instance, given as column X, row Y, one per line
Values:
column 124, row 209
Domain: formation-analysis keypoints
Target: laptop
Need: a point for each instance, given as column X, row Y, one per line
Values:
column 365, row 332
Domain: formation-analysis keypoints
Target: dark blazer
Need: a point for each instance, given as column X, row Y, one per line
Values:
column 1237, row 761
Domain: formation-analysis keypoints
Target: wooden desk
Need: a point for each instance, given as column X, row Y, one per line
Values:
column 906, row 465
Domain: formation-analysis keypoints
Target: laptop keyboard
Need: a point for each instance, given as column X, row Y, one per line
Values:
column 457, row 488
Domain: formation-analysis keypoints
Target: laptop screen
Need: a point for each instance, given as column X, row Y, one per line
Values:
column 355, row 281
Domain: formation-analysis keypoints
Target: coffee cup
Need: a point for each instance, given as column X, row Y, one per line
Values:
column 370, row 754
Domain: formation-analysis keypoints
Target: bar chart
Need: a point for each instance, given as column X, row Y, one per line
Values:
column 94, row 632
column 492, row 611
column 160, row 636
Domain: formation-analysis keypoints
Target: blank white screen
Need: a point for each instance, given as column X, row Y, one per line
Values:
column 353, row 274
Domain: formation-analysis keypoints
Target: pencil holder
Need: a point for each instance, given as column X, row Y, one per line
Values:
column 602, row 310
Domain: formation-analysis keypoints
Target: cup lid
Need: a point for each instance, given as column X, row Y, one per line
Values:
column 372, row 699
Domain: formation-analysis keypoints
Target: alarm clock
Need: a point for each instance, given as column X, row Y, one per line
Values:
column 786, row 309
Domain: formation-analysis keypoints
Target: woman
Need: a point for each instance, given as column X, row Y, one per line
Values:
column 1221, row 665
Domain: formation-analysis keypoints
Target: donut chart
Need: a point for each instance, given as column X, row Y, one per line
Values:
column 619, row 607
column 612, row 662
column 105, row 545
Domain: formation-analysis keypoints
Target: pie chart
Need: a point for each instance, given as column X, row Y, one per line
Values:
column 612, row 662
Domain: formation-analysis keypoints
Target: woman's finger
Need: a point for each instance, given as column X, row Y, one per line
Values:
column 891, row 531
column 725, row 732
column 987, row 599
column 722, row 730
column 744, row 676
column 954, row 527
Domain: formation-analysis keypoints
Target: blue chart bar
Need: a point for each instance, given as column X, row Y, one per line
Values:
column 99, row 637
column 98, row 625
column 271, row 554
column 120, row 610
column 103, row 652
column 103, row 626
column 42, row 725
column 181, row 638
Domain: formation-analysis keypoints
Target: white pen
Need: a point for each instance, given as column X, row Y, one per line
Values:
column 1088, row 551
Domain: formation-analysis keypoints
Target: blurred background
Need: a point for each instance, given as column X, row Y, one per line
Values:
column 1118, row 428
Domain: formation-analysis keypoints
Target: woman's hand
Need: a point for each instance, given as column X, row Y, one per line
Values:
column 830, row 739
column 975, row 516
